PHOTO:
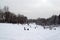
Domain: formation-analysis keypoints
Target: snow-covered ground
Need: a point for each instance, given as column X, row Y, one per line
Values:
column 17, row 32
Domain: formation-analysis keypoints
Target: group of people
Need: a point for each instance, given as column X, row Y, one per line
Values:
column 50, row 27
column 26, row 28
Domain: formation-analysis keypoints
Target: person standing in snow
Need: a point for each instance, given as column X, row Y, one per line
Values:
column 24, row 28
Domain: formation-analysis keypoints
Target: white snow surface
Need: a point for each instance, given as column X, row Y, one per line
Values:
column 17, row 32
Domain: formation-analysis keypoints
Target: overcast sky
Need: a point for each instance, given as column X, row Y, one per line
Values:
column 33, row 8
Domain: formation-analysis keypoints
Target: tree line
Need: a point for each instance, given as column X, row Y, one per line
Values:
column 8, row 17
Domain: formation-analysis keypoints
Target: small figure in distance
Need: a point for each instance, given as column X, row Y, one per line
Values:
column 27, row 28
column 54, row 28
column 24, row 28
column 35, row 27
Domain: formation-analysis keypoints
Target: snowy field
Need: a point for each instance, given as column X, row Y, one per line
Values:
column 17, row 32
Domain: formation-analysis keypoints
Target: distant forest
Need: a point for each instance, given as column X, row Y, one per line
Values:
column 8, row 17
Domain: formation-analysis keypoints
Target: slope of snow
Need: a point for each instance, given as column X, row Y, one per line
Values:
column 17, row 32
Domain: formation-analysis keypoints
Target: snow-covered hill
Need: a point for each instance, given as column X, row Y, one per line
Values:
column 17, row 32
